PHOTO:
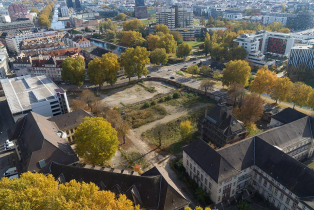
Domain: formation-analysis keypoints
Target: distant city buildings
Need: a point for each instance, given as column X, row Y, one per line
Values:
column 177, row 17
column 4, row 64
column 302, row 56
column 18, row 25
column 166, row 17
column 64, row 11
column 233, row 15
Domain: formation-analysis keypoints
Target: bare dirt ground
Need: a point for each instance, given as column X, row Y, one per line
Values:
column 134, row 93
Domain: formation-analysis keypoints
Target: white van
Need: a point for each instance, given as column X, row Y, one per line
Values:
column 10, row 172
column 8, row 145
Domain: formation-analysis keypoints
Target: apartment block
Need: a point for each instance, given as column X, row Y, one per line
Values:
column 267, row 163
column 183, row 17
column 166, row 17
column 277, row 17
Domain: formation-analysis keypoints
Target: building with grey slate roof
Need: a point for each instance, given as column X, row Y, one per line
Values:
column 220, row 126
column 152, row 190
column 268, row 163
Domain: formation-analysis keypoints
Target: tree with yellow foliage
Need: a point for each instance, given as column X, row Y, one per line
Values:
column 105, row 68
column 185, row 129
column 207, row 43
column 134, row 61
column 73, row 70
column 299, row 94
column 133, row 25
column 96, row 140
column 162, row 28
column 132, row 38
column 263, row 81
column 198, row 208
column 184, row 50
column 237, row 71
column 280, row 90
column 36, row 191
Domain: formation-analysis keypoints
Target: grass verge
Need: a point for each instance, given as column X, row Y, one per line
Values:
column 189, row 100
column 194, row 44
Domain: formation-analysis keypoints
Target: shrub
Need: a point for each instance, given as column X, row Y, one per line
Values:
column 176, row 95
column 169, row 97
column 162, row 100
column 153, row 103
column 146, row 104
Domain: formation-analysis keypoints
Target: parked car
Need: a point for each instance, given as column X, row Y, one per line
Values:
column 169, row 69
column 8, row 145
column 10, row 172
column 14, row 176
column 148, row 76
column 172, row 78
column 159, row 71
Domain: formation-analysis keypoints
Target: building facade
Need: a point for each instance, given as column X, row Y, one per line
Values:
column 166, row 17
column 183, row 17
column 17, row 11
column 302, row 56
column 268, row 162
column 277, row 17
column 233, row 15
column 4, row 64
column 140, row 12
column 18, row 25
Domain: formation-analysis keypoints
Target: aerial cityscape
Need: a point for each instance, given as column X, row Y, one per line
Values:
column 157, row 104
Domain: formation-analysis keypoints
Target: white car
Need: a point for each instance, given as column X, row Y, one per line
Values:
column 159, row 71
column 8, row 145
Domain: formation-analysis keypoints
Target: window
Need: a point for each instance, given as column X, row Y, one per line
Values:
column 234, row 183
column 288, row 201
column 279, row 205
column 187, row 162
column 270, row 187
column 233, row 191
column 304, row 208
column 194, row 169
column 294, row 205
column 276, row 192
column 219, row 190
column 265, row 183
column 255, row 175
column 220, row 183
column 201, row 177
column 274, row 200
column 205, row 181
column 281, row 195
column 290, row 193
column 210, row 185
column 284, row 188
column 260, row 179
column 218, row 198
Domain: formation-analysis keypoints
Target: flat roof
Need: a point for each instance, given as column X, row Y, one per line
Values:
column 23, row 91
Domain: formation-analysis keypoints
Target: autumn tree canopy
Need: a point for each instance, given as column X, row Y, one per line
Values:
column 96, row 140
column 36, row 191
column 237, row 71
column 73, row 70
column 263, row 81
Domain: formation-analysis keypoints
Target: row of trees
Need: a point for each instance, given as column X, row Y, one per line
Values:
column 44, row 15
column 267, row 82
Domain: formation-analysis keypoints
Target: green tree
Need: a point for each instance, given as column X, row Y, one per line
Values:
column 167, row 41
column 159, row 56
column 202, row 21
column 184, row 50
column 242, row 205
column 193, row 70
column 73, row 70
column 207, row 43
column 185, row 129
column 103, row 69
column 96, row 140
column 162, row 28
column 37, row 191
column 133, row 25
column 152, row 41
column 177, row 36
column 237, row 53
column 237, row 71
column 210, row 20
column 134, row 61
column 120, row 16
column 217, row 51
column 206, row 70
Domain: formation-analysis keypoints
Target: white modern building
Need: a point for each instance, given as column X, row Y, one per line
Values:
column 167, row 17
column 233, row 15
column 266, row 164
column 38, row 94
column 13, row 42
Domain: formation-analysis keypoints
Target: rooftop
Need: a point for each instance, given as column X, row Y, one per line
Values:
column 23, row 91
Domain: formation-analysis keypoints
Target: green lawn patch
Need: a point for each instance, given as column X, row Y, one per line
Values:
column 194, row 44
column 76, row 32
column 180, row 73
column 171, row 139
column 147, row 22
column 137, row 118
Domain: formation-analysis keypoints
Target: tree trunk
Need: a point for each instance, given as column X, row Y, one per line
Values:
column 123, row 139
column 293, row 105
